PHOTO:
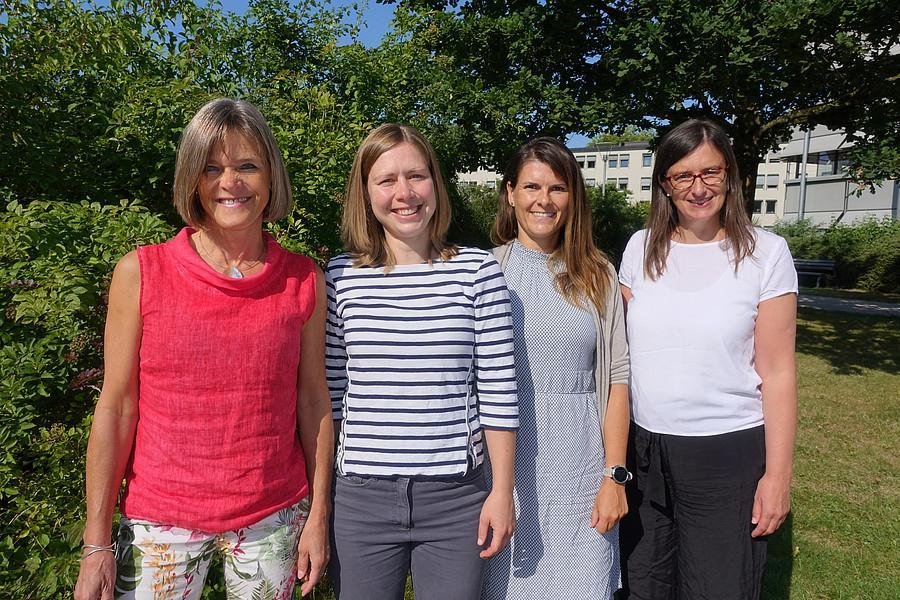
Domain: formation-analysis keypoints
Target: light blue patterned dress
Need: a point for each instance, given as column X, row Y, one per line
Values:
column 559, row 452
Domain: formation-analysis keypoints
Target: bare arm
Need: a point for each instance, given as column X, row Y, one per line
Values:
column 317, row 439
column 498, row 513
column 611, row 505
column 776, row 325
column 113, row 428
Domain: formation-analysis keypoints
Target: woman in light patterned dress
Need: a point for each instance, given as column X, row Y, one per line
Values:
column 572, row 375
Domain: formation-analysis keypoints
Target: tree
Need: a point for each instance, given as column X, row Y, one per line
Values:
column 758, row 68
column 629, row 133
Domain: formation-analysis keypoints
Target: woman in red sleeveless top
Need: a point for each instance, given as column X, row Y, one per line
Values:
column 214, row 407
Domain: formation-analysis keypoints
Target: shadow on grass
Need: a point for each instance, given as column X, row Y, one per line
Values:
column 780, row 563
column 849, row 343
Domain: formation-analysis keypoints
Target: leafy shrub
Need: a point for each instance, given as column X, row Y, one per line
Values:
column 866, row 254
column 55, row 261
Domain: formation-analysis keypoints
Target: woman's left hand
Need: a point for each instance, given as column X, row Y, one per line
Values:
column 498, row 515
column 771, row 504
column 313, row 555
column 609, row 506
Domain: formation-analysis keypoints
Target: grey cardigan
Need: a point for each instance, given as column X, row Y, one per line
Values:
column 611, row 361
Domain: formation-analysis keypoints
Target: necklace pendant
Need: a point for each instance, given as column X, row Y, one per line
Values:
column 234, row 272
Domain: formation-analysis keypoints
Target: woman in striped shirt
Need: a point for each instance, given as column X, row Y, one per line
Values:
column 421, row 374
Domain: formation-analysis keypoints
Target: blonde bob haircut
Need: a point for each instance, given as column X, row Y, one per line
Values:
column 362, row 234
column 208, row 129
column 582, row 270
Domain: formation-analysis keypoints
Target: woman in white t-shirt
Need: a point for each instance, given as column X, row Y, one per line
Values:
column 711, row 319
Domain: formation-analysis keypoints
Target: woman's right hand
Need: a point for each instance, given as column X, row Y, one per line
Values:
column 97, row 577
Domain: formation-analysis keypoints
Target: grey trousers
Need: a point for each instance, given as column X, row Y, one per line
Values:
column 383, row 528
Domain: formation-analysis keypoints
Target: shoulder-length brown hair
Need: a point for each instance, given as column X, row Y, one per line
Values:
column 362, row 234
column 582, row 270
column 663, row 219
column 207, row 129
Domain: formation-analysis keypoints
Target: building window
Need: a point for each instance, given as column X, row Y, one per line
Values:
column 491, row 185
column 760, row 182
column 613, row 162
column 770, row 207
column 623, row 160
column 611, row 181
column 826, row 164
column 645, row 184
column 591, row 162
column 757, row 207
column 646, row 159
column 623, row 184
column 772, row 181
column 590, row 182
column 580, row 161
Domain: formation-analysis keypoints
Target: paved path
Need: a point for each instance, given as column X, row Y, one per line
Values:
column 860, row 307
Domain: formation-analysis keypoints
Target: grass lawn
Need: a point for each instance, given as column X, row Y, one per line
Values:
column 842, row 540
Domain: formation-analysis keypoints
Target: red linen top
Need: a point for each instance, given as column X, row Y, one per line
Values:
column 216, row 447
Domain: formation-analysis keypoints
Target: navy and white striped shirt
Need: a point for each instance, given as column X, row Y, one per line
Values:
column 419, row 360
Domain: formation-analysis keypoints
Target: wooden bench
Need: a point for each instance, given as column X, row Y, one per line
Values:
column 814, row 268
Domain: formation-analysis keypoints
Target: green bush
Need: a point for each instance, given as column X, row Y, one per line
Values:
column 55, row 261
column 866, row 254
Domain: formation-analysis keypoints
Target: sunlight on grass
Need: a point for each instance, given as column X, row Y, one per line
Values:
column 843, row 540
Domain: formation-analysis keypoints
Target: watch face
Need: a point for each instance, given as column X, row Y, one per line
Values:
column 620, row 474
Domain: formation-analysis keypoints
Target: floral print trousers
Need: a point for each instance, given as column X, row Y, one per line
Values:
column 162, row 562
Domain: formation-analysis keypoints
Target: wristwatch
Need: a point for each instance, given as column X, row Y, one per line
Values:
column 618, row 473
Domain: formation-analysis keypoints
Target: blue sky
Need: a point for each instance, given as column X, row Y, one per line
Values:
column 376, row 22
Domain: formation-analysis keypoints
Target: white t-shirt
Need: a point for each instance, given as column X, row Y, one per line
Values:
column 690, row 333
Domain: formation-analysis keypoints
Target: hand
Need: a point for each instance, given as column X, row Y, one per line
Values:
column 498, row 514
column 313, row 553
column 771, row 504
column 96, row 577
column 610, row 506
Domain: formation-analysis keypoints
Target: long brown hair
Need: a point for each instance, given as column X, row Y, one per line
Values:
column 362, row 234
column 582, row 270
column 663, row 219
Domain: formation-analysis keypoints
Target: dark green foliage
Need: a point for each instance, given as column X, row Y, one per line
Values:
column 615, row 219
column 867, row 254
column 474, row 209
column 55, row 261
column 758, row 67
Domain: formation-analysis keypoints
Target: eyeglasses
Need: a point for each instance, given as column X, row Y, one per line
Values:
column 684, row 181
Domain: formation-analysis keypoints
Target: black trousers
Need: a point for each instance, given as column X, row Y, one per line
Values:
column 687, row 532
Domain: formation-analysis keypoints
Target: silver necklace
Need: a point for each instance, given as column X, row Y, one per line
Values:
column 230, row 270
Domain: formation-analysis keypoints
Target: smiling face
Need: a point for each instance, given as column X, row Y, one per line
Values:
column 401, row 193
column 234, row 185
column 699, row 205
column 541, row 199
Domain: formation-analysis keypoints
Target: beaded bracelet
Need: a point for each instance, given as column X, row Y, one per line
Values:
column 94, row 549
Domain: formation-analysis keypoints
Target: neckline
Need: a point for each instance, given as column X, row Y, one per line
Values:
column 530, row 251
column 191, row 262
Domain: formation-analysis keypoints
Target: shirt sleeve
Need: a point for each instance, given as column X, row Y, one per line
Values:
column 495, row 373
column 629, row 257
column 779, row 275
column 335, row 351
